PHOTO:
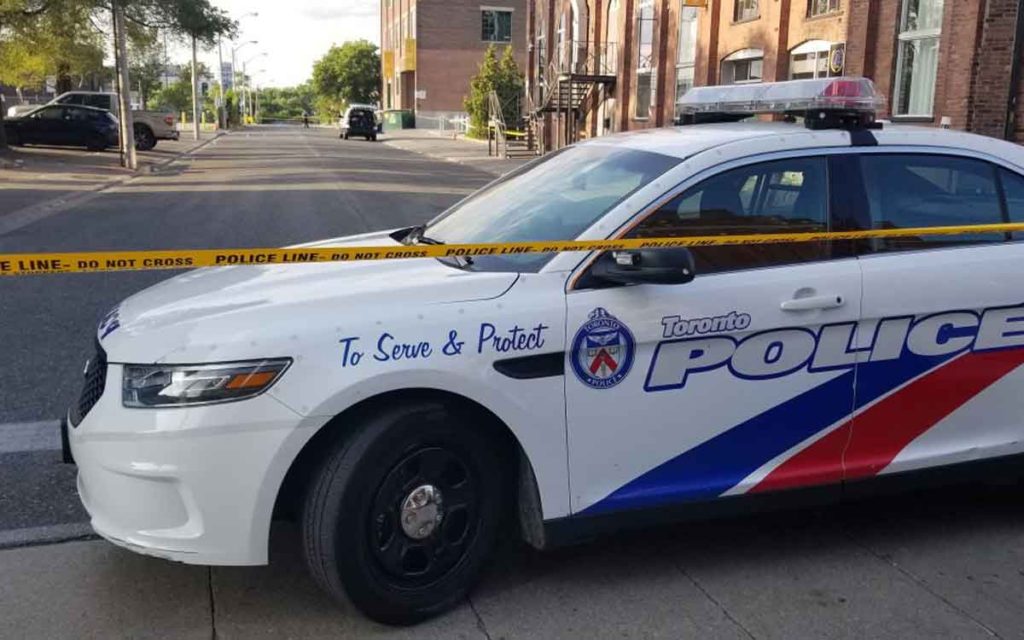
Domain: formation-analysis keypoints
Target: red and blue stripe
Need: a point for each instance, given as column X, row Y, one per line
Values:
column 893, row 403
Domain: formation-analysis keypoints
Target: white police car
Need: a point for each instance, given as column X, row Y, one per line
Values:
column 407, row 410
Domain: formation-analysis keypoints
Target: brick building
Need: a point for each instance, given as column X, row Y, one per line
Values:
column 599, row 66
column 431, row 48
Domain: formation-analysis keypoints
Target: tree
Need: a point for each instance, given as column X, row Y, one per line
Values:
column 39, row 38
column 346, row 74
column 146, row 62
column 501, row 76
column 286, row 103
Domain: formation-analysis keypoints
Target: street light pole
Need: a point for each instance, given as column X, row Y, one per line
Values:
column 234, row 65
column 245, row 78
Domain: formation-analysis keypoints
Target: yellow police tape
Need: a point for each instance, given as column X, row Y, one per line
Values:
column 46, row 263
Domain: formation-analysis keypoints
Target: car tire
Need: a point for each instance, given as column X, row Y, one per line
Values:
column 345, row 136
column 373, row 138
column 144, row 138
column 356, row 517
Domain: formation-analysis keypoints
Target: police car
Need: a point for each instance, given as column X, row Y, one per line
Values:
column 408, row 411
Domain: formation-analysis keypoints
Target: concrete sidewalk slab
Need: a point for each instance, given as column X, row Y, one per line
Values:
column 805, row 578
column 461, row 150
column 87, row 590
column 282, row 601
column 622, row 588
column 974, row 563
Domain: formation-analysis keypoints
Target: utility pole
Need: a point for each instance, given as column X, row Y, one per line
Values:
column 195, row 90
column 221, row 123
column 128, row 156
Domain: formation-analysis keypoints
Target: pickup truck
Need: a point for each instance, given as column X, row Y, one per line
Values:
column 149, row 126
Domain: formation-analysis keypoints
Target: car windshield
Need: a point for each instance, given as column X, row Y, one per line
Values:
column 554, row 198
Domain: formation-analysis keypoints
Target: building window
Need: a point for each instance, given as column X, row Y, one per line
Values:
column 497, row 25
column 917, row 61
column 745, row 65
column 644, row 59
column 686, row 54
column 810, row 60
column 745, row 10
column 821, row 7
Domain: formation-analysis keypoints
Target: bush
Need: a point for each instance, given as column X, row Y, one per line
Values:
column 504, row 78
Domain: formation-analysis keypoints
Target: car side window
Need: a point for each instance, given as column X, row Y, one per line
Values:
column 1013, row 189
column 79, row 115
column 920, row 190
column 781, row 196
column 98, row 101
column 53, row 113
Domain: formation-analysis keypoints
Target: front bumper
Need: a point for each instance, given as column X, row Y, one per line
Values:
column 195, row 485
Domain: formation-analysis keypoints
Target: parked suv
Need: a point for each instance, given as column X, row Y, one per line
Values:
column 149, row 126
column 359, row 120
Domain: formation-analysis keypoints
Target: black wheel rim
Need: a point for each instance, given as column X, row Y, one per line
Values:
column 413, row 563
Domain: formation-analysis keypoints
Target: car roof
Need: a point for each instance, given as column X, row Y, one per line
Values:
column 72, row 106
column 689, row 140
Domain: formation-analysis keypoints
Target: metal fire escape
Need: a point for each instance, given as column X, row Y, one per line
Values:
column 577, row 72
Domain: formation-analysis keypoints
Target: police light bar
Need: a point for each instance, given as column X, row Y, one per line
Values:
column 822, row 102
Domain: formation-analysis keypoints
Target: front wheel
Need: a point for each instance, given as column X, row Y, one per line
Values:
column 404, row 513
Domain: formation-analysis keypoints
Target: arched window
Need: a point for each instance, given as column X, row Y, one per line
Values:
column 745, row 65
column 809, row 60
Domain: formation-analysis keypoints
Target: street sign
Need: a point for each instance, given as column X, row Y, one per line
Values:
column 421, row 94
column 51, row 84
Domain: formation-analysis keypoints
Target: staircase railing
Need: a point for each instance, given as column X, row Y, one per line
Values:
column 496, row 129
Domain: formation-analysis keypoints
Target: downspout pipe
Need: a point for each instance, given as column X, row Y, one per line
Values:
column 1011, row 101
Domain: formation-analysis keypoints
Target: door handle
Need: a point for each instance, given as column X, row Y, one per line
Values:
column 813, row 303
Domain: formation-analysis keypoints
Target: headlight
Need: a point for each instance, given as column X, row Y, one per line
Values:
column 182, row 385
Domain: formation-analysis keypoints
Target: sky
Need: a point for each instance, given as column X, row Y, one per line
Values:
column 293, row 33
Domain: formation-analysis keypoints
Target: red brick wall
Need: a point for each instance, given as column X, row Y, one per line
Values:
column 990, row 80
column 449, row 48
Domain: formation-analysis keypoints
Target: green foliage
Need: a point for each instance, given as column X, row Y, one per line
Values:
column 504, row 78
column 57, row 41
column 286, row 102
column 146, row 62
column 345, row 74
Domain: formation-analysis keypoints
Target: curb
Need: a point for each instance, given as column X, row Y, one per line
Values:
column 478, row 163
column 155, row 168
column 33, row 213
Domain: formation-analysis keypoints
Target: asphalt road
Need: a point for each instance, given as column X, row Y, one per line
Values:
column 261, row 188
column 938, row 564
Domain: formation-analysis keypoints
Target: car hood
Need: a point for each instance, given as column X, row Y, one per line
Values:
column 229, row 313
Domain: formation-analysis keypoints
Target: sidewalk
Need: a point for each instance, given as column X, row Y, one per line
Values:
column 462, row 150
column 36, row 180
column 936, row 565
column 63, row 172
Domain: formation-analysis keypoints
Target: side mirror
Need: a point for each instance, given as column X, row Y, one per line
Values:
column 645, row 266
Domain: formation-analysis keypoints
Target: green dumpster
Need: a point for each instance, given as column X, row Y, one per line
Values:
column 399, row 119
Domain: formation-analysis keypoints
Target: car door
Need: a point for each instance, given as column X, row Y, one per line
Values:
column 943, row 383
column 46, row 125
column 689, row 392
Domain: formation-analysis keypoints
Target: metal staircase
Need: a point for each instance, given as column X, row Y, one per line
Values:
column 577, row 72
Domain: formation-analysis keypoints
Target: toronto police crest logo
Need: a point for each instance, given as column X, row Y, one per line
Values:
column 602, row 351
